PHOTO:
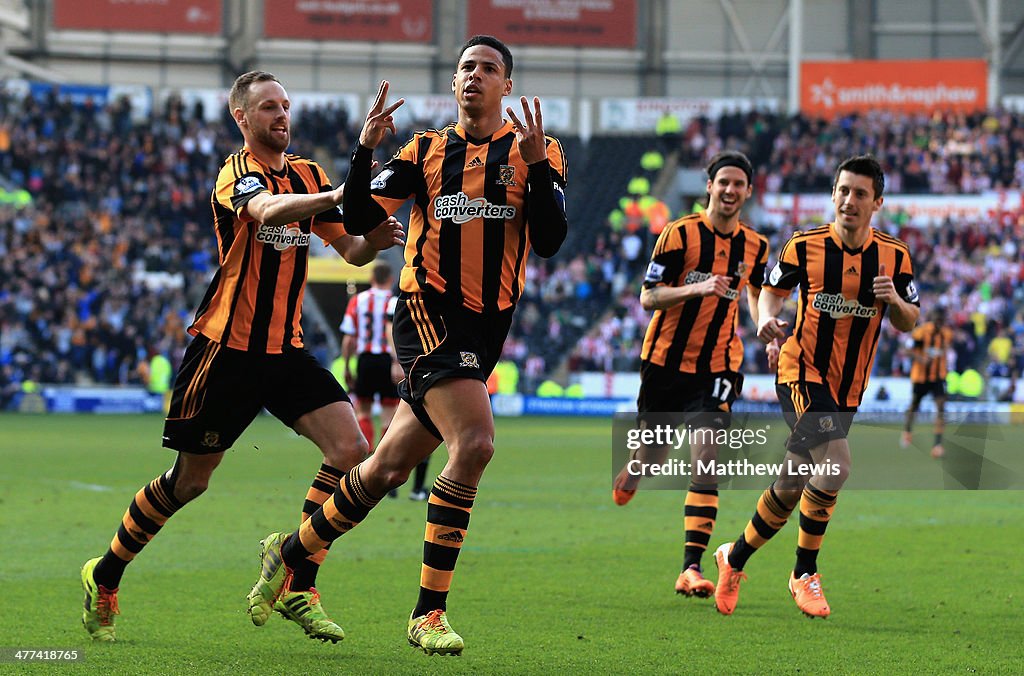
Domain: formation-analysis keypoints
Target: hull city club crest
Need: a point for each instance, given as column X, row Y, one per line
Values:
column 506, row 175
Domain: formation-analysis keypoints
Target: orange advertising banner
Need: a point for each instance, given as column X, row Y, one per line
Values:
column 830, row 87
column 158, row 16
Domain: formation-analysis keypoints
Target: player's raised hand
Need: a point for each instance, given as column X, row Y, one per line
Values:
column 389, row 233
column 771, row 329
column 883, row 287
column 379, row 120
column 530, row 132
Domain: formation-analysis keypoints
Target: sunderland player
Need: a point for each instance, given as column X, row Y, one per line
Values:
column 366, row 327
column 691, row 353
column 850, row 275
column 247, row 353
column 485, row 191
column 930, row 343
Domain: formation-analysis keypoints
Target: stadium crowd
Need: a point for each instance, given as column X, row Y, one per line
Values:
column 938, row 153
column 972, row 269
column 102, row 268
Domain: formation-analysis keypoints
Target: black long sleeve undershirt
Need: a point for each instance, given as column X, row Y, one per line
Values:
column 362, row 213
column 545, row 213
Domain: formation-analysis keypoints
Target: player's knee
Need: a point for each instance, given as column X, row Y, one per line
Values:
column 788, row 489
column 346, row 454
column 393, row 478
column 189, row 487
column 387, row 475
column 841, row 472
column 473, row 449
column 190, row 476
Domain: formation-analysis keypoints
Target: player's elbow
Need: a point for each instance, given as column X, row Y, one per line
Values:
column 260, row 211
column 547, row 249
column 353, row 258
column 647, row 300
column 907, row 321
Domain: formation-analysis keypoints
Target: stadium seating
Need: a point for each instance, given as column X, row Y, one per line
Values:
column 105, row 244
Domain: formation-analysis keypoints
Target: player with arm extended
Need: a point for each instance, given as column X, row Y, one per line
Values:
column 485, row 191
column 247, row 352
column 850, row 275
column 691, row 353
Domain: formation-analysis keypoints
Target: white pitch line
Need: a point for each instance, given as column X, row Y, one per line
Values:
column 96, row 488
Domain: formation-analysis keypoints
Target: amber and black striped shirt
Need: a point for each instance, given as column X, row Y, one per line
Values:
column 254, row 302
column 838, row 318
column 699, row 335
column 931, row 343
column 468, row 237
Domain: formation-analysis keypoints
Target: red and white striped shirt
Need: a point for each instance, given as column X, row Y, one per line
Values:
column 365, row 319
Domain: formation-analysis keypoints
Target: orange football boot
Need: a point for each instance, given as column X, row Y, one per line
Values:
column 727, row 591
column 620, row 494
column 692, row 582
column 808, row 595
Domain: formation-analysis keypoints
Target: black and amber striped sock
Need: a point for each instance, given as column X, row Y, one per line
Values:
column 448, row 511
column 325, row 482
column 149, row 511
column 699, row 515
column 816, row 507
column 769, row 518
column 340, row 513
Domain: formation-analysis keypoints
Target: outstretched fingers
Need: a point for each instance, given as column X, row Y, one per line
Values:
column 379, row 118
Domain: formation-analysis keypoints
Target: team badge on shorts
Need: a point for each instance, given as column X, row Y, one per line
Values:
column 506, row 175
column 826, row 424
column 469, row 360
column 211, row 439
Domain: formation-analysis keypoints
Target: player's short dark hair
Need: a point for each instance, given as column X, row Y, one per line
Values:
column 239, row 95
column 864, row 165
column 493, row 43
column 730, row 158
column 381, row 273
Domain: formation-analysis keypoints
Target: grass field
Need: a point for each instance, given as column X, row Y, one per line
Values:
column 553, row 577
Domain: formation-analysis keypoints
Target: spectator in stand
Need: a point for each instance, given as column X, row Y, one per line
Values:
column 118, row 211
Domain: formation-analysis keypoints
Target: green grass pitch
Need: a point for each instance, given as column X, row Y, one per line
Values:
column 553, row 577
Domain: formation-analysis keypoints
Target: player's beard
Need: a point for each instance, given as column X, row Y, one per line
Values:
column 273, row 142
